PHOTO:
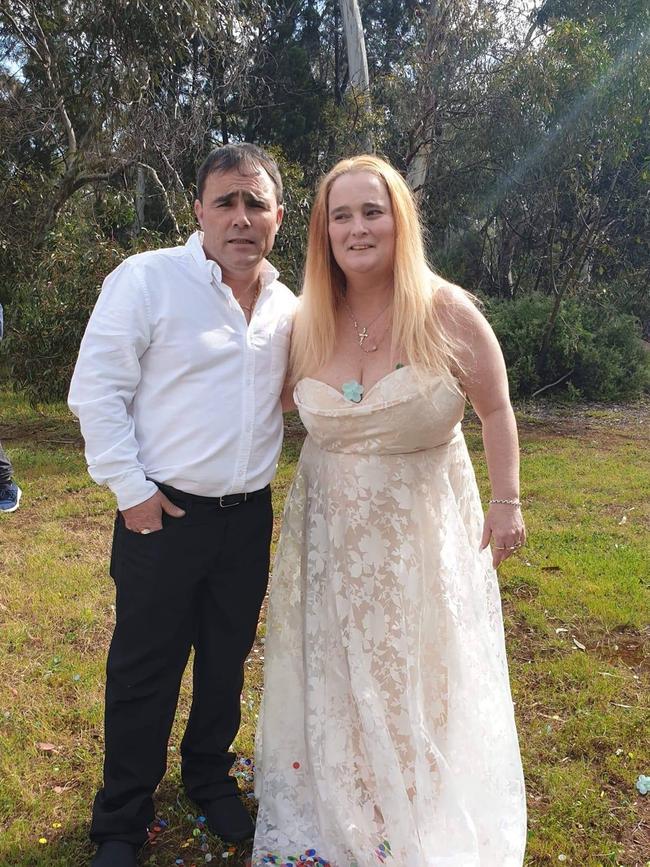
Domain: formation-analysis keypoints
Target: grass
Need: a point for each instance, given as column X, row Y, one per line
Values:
column 576, row 614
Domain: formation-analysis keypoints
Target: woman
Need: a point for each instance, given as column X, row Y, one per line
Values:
column 387, row 732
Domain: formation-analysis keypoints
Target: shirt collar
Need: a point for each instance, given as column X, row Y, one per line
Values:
column 194, row 245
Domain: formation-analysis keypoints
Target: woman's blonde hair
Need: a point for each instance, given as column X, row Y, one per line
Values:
column 417, row 328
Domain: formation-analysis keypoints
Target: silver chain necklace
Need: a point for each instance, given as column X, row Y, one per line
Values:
column 256, row 295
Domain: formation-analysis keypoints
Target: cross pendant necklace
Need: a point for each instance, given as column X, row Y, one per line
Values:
column 363, row 333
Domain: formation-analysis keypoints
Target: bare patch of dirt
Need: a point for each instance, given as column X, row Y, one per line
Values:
column 636, row 837
column 616, row 420
column 44, row 431
column 624, row 646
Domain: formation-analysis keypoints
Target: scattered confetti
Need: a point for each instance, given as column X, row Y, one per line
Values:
column 311, row 858
column 383, row 851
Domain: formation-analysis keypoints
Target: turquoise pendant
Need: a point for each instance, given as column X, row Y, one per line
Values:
column 353, row 391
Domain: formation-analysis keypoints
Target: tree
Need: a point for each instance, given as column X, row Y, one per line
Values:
column 357, row 61
column 98, row 80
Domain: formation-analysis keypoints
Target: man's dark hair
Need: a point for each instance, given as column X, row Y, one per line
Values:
column 247, row 158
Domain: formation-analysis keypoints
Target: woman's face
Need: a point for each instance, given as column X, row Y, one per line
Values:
column 361, row 225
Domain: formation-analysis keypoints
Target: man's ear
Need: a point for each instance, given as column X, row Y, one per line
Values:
column 280, row 215
column 198, row 210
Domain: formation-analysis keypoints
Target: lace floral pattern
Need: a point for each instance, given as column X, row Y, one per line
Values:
column 387, row 712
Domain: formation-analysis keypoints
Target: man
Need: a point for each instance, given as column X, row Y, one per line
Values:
column 10, row 493
column 177, row 389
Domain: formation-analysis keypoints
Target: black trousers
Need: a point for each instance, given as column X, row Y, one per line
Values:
column 199, row 582
column 6, row 470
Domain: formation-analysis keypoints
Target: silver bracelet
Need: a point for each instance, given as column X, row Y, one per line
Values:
column 512, row 502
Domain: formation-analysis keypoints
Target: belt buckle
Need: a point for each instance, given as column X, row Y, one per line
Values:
column 223, row 505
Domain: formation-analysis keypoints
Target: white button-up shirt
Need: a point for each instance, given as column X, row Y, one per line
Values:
column 172, row 384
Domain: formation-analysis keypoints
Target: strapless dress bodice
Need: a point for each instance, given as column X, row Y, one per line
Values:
column 404, row 412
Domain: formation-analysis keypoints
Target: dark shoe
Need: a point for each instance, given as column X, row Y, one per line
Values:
column 115, row 853
column 229, row 819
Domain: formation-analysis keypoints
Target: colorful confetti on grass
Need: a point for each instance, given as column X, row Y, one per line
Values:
column 243, row 770
column 311, row 857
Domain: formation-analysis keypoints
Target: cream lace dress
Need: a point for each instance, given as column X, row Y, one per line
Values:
column 387, row 733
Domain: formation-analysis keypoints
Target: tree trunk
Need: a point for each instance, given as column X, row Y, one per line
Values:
column 508, row 243
column 357, row 61
column 433, row 67
column 418, row 168
column 140, row 198
column 67, row 185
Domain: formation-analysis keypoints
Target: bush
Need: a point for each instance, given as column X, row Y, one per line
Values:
column 628, row 292
column 49, row 310
column 598, row 347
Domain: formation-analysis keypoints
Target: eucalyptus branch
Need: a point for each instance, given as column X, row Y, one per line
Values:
column 45, row 58
column 22, row 35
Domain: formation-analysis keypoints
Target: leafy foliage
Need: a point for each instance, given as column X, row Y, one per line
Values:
column 595, row 352
column 526, row 139
column 50, row 310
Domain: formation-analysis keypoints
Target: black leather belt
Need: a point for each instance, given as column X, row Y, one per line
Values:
column 225, row 502
column 236, row 499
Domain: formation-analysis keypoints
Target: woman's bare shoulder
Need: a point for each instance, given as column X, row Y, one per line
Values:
column 456, row 308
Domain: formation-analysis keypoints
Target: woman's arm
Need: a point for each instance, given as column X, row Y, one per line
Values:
column 286, row 398
column 485, row 381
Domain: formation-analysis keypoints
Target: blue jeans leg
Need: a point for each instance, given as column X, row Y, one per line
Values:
column 6, row 470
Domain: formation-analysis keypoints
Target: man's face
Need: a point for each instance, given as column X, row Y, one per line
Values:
column 240, row 217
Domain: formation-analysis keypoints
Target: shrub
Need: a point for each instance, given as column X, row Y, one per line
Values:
column 596, row 349
column 50, row 307
column 47, row 311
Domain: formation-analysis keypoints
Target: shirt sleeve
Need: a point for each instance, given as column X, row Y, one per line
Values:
column 105, row 381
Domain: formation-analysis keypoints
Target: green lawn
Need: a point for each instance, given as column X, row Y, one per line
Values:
column 576, row 610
